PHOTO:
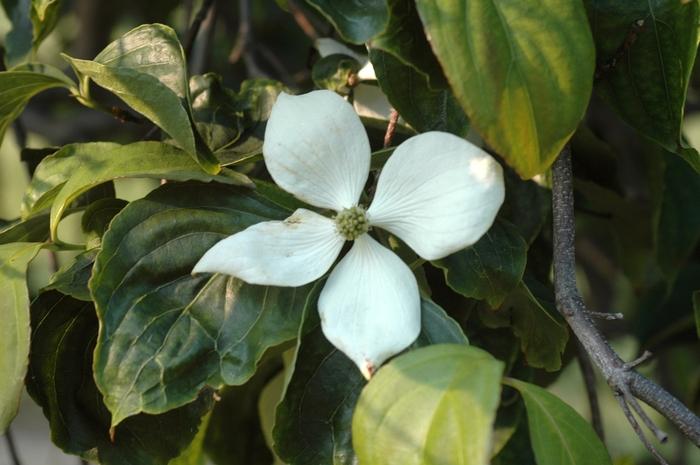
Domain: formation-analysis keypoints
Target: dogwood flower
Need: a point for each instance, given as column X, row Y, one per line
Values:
column 437, row 192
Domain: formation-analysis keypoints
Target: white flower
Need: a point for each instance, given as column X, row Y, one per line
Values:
column 437, row 192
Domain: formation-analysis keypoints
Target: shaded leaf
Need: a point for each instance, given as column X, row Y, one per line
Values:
column 522, row 71
column 357, row 21
column 646, row 52
column 33, row 229
column 72, row 278
column 14, row 330
column 235, row 434
column 405, row 40
column 97, row 216
column 559, row 435
column 432, row 405
column 517, row 451
column 678, row 222
column 60, row 381
column 18, row 41
column 200, row 330
column 542, row 332
column 696, row 311
column 216, row 113
column 490, row 269
column 409, row 93
column 22, row 83
column 312, row 422
column 146, row 68
column 73, row 170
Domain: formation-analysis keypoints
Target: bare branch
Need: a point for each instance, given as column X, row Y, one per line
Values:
column 196, row 24
column 620, row 376
column 391, row 127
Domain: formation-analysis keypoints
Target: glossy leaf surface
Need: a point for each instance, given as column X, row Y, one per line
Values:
column 523, row 71
column 200, row 330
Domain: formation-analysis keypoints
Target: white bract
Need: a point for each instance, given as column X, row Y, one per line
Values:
column 437, row 192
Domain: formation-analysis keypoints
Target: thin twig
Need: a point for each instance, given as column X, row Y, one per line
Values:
column 391, row 127
column 9, row 439
column 590, row 382
column 196, row 24
column 622, row 378
column 301, row 20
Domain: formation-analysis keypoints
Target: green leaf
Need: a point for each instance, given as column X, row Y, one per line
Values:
column 517, row 451
column 558, row 434
column 96, row 218
column 44, row 15
column 522, row 71
column 76, row 168
column 22, row 83
column 405, row 40
column 356, row 21
column 216, row 112
column 18, row 41
column 333, row 72
column 313, row 418
column 200, row 330
column 72, row 278
column 235, row 434
column 34, row 229
column 431, row 405
column 543, row 334
column 644, row 70
column 146, row 68
column 60, row 381
column 410, row 94
column 678, row 221
column 14, row 330
column 490, row 269
column 255, row 100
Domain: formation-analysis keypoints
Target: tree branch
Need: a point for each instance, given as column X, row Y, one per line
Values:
column 626, row 383
column 194, row 28
column 12, row 448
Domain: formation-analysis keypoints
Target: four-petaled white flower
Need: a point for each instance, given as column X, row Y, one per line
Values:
column 437, row 192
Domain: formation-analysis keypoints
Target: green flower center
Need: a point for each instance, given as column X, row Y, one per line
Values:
column 352, row 222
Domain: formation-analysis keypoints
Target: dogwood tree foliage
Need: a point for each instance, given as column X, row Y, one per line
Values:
column 348, row 258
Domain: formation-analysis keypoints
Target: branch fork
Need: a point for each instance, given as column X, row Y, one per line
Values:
column 627, row 384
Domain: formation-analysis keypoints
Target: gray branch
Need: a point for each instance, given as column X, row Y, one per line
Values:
column 623, row 379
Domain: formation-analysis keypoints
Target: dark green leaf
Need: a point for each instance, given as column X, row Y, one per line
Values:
column 312, row 420
column 409, row 93
column 405, row 40
column 34, row 229
column 201, row 330
column 490, row 269
column 18, row 41
column 60, row 381
column 44, row 17
column 357, row 21
column 14, row 330
column 217, row 114
column 72, row 278
column 558, row 434
column 97, row 216
column 146, row 68
column 333, row 72
column 21, row 84
column 678, row 226
column 517, row 450
column 527, row 205
column 73, row 170
column 432, row 405
column 235, row 434
column 543, row 334
column 522, row 71
column 254, row 100
column 646, row 52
